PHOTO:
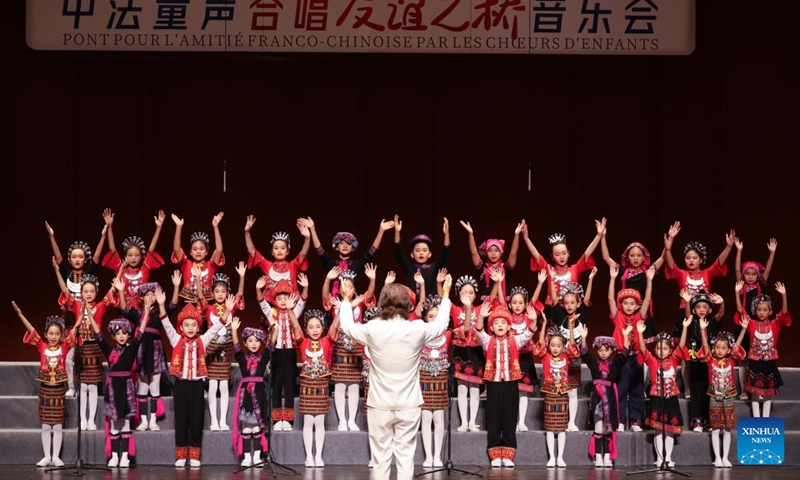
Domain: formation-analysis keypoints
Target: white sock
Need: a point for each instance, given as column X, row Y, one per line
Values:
column 92, row 403
column 438, row 433
column 84, row 402
column 46, row 439
column 427, row 434
column 599, row 428
column 58, row 435
column 155, row 385
column 352, row 401
column 308, row 435
column 523, row 407
column 70, row 365
column 212, row 401
column 474, row 403
column 726, row 443
column 657, row 442
column 462, row 403
column 670, row 442
column 319, row 434
column 224, row 396
column 562, row 442
column 715, row 443
column 573, row 405
column 756, row 407
column 766, row 409
column 551, row 444
column 338, row 400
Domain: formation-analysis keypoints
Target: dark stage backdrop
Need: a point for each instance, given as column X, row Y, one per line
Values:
column 350, row 139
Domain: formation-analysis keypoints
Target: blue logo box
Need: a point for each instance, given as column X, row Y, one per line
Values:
column 760, row 441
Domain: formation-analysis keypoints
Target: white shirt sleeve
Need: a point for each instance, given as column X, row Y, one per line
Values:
column 298, row 309
column 266, row 309
column 349, row 327
column 523, row 338
column 172, row 335
column 211, row 333
column 439, row 325
column 484, row 337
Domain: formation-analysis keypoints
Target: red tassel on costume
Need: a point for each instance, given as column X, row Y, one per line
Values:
column 108, row 438
column 160, row 410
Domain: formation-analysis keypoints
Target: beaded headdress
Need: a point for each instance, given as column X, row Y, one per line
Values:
column 54, row 320
column 697, row 247
column 199, row 237
column 220, row 277
column 282, row 236
column 133, row 241
column 79, row 245
column 764, row 298
column 120, row 325
column 465, row 280
column 519, row 291
column 557, row 238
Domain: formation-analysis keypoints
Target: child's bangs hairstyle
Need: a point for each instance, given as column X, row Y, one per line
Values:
column 394, row 301
column 319, row 315
column 220, row 277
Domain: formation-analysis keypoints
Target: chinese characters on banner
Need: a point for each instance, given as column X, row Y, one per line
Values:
column 616, row 27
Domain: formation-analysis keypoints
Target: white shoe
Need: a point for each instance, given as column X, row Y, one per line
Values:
column 351, row 425
column 70, row 393
column 44, row 462
column 370, row 464
column 551, row 463
column 474, row 428
column 497, row 463
column 560, row 463
column 247, row 461
column 670, row 464
column 598, row 461
column 698, row 429
column 636, row 428
column 180, row 463
column 57, row 462
column 214, row 427
column 428, row 463
column 462, row 428
column 142, row 425
column 319, row 463
column 278, row 426
column 194, row 463
column 92, row 426
column 224, row 427
column 744, row 396
column 607, row 461
column 572, row 427
column 508, row 463
column 114, row 461
column 124, row 462
column 342, row 426
column 437, row 462
column 522, row 427
column 257, row 459
column 726, row 463
column 154, row 427
column 84, row 425
column 621, row 427
column 717, row 463
column 309, row 462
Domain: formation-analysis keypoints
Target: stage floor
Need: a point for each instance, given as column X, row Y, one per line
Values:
column 362, row 473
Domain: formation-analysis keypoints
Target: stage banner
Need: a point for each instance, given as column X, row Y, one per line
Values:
column 610, row 27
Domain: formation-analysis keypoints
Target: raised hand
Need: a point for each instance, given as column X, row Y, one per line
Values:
column 465, row 300
column 176, row 278
column 744, row 321
column 780, row 288
column 585, row 331
column 303, row 228
column 687, row 322
column 685, row 294
column 159, row 218
column 525, row 233
column 241, row 269
column 302, row 280
column 496, row 274
column 108, row 216
column 54, row 263
column 467, row 226
column 370, row 271
column 230, row 302
column 530, row 312
column 49, row 229
column 542, row 276
column 161, row 297
column 626, row 331
column 739, row 286
column 640, row 327
column 16, row 308
column 251, row 220
column 418, row 278
column 235, row 324
column 518, row 230
column 335, row 302
column 398, row 224
column 217, row 218
column 357, row 301
column 716, row 299
column 730, row 238
column 674, row 229
column 614, row 270
column 486, row 309
column 178, row 220
column 739, row 245
column 446, row 226
column 390, row 277
column 309, row 223
column 261, row 282
column 333, row 273
column 600, row 225
column 651, row 272
column 593, row 272
column 703, row 323
column 293, row 298
column 440, row 276
column 118, row 284
column 772, row 245
column 448, row 283
column 386, row 225
column 148, row 302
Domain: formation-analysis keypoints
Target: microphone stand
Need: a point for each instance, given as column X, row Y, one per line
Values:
column 79, row 466
column 448, row 464
column 267, row 458
column 663, row 466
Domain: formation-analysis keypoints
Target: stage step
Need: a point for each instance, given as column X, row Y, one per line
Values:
column 23, row 446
